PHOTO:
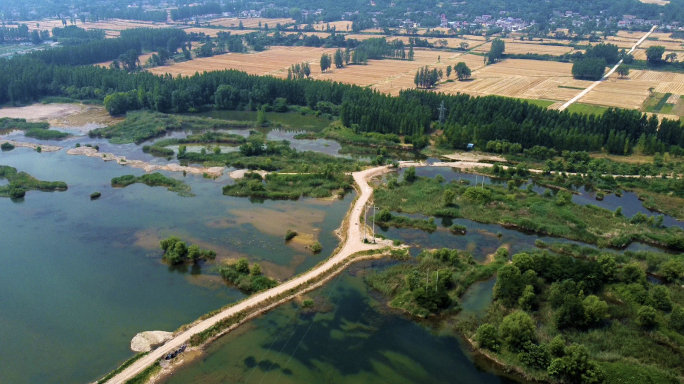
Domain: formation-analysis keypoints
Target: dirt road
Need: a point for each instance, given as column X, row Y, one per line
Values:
column 353, row 244
column 607, row 75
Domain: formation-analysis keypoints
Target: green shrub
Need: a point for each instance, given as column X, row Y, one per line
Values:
column 308, row 303
column 6, row 146
column 316, row 247
column 488, row 337
column 95, row 195
column 517, row 329
column 646, row 317
column 290, row 234
column 458, row 229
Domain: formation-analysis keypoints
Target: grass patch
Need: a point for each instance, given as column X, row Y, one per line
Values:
column 39, row 131
column 144, row 376
column 281, row 186
column 258, row 153
column 539, row 103
column 568, row 87
column 123, row 366
column 291, row 119
column 21, row 182
column 346, row 135
column 586, row 109
column 154, row 180
column 144, row 125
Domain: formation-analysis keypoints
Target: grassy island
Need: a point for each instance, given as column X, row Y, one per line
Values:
column 22, row 182
column 39, row 131
column 154, row 180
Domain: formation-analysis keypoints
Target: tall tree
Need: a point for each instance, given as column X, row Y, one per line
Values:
column 496, row 50
column 462, row 71
column 339, row 60
column 325, row 62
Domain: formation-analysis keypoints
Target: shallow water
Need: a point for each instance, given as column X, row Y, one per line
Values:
column 357, row 341
column 478, row 297
column 80, row 278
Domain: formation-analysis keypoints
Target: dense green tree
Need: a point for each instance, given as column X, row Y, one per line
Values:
column 487, row 337
column 496, row 51
column 654, row 53
column 509, row 285
column 517, row 329
column 622, row 70
column 462, row 71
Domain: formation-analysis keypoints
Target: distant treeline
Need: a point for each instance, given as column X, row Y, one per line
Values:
column 185, row 12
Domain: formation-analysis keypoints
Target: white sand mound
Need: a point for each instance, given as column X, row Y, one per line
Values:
column 147, row 341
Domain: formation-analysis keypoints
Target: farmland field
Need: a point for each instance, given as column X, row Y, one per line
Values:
column 522, row 48
column 274, row 61
column 340, row 26
column 250, row 23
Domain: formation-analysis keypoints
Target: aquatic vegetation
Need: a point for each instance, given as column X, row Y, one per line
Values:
column 177, row 251
column 39, row 131
column 22, row 182
column 290, row 186
column 246, row 278
column 385, row 220
column 95, row 195
column 154, row 180
column 145, row 125
column 550, row 215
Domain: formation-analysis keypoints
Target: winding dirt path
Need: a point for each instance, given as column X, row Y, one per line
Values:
column 352, row 244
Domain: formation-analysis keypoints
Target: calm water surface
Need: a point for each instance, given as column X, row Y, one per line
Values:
column 356, row 340
column 80, row 278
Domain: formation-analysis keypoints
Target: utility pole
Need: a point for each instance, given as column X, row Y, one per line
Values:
column 365, row 211
column 374, row 208
column 427, row 280
column 441, row 113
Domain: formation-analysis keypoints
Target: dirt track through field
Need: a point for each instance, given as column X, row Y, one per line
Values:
column 607, row 75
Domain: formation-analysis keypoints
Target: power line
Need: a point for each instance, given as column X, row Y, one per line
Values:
column 307, row 330
column 269, row 348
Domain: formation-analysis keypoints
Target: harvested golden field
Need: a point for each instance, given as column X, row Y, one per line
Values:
column 274, row 61
column 385, row 75
column 640, row 54
column 251, row 23
column 214, row 32
column 528, row 47
column 527, row 79
column 664, row 82
column 340, row 26
column 669, row 45
column 622, row 93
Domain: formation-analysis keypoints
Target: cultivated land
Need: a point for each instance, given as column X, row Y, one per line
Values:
column 274, row 61
column 250, row 23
